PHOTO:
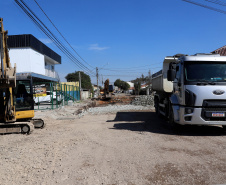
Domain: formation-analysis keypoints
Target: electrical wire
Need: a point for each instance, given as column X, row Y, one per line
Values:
column 205, row 6
column 120, row 75
column 127, row 71
column 135, row 68
column 217, row 2
column 61, row 33
column 64, row 49
column 51, row 36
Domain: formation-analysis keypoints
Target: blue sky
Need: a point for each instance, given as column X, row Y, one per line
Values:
column 123, row 38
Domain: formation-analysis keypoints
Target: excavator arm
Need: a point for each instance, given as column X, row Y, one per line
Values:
column 7, row 80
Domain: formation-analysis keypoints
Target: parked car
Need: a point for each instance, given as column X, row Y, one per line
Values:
column 48, row 98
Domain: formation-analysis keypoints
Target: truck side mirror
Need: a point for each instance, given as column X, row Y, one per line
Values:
column 171, row 75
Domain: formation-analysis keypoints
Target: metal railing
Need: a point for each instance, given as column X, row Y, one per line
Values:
column 52, row 74
column 51, row 95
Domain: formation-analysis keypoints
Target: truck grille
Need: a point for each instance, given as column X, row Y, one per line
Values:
column 213, row 106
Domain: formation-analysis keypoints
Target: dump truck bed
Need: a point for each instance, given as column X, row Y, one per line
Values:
column 159, row 79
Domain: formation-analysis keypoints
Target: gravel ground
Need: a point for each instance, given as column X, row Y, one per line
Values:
column 112, row 145
column 113, row 109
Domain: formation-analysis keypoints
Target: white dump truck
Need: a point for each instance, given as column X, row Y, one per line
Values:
column 192, row 89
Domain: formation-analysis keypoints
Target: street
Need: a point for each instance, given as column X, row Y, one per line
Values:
column 127, row 147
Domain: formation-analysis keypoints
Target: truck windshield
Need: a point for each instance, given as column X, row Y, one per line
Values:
column 205, row 72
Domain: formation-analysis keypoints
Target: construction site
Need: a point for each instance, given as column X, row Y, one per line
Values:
column 117, row 143
column 63, row 124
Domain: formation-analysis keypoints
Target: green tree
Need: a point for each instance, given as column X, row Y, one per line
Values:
column 125, row 86
column 142, row 78
column 85, row 79
column 137, row 86
column 122, row 84
column 117, row 83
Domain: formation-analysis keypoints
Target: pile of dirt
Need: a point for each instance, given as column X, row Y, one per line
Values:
column 122, row 99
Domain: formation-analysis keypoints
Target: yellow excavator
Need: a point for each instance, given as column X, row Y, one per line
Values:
column 16, row 96
column 107, row 91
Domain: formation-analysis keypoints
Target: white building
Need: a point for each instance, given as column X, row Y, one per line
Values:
column 131, row 85
column 33, row 58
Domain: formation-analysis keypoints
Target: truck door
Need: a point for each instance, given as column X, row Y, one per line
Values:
column 177, row 84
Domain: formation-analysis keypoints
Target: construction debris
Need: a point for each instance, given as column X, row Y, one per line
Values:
column 143, row 100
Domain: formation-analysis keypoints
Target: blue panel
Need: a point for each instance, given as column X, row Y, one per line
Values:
column 75, row 93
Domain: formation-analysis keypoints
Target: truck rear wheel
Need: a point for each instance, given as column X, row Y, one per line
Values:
column 157, row 107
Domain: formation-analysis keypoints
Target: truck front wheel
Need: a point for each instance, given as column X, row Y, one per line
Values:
column 172, row 123
column 224, row 128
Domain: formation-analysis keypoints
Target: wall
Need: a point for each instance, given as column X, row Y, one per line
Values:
column 131, row 84
column 71, row 83
column 37, row 62
column 22, row 59
column 85, row 95
column 27, row 60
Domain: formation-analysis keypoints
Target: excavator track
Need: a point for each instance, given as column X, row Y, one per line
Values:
column 17, row 127
column 38, row 123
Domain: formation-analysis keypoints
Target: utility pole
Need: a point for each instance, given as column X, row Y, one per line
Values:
column 149, row 79
column 102, row 81
column 97, row 75
column 80, row 86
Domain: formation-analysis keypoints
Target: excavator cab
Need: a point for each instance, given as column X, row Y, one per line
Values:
column 23, row 96
column 24, row 100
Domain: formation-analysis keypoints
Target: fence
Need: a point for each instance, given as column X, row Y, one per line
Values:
column 51, row 95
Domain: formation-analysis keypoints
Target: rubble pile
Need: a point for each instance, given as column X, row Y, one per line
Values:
column 80, row 109
column 143, row 100
column 113, row 109
column 138, row 103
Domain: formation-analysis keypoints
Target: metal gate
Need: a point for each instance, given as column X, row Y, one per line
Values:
column 51, row 95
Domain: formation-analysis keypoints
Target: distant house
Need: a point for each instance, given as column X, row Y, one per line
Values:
column 33, row 58
column 95, row 87
column 131, row 85
column 144, row 86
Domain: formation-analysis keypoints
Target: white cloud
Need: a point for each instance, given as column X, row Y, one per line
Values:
column 96, row 47
column 46, row 41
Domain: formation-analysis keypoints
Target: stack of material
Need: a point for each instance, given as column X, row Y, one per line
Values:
column 143, row 100
column 112, row 109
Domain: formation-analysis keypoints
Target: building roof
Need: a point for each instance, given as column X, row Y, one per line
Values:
column 221, row 51
column 36, row 77
column 28, row 40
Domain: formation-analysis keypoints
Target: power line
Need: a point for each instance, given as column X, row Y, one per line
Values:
column 120, row 75
column 135, row 68
column 49, row 34
column 217, row 2
column 205, row 6
column 61, row 33
column 62, row 47
column 127, row 71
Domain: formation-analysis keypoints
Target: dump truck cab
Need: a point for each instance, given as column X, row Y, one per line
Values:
column 193, row 89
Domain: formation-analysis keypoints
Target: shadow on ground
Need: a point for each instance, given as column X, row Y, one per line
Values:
column 150, row 122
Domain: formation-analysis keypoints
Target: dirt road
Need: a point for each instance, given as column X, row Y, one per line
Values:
column 123, row 148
